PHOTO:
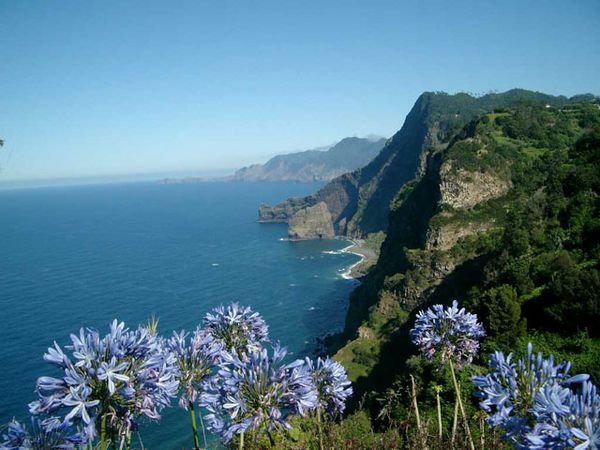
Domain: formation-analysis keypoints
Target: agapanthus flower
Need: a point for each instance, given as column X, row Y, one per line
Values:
column 331, row 383
column 257, row 392
column 110, row 371
column 79, row 401
column 123, row 375
column 195, row 358
column 450, row 333
column 235, row 329
column 51, row 433
column 529, row 392
column 16, row 437
column 567, row 415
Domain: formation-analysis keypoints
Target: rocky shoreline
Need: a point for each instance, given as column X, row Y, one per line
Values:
column 368, row 258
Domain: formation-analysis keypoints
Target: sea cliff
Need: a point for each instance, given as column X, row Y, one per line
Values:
column 359, row 202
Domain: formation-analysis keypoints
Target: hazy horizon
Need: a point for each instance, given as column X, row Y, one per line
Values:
column 6, row 184
column 119, row 88
column 155, row 175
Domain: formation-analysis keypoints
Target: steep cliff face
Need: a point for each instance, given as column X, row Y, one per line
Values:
column 281, row 212
column 339, row 195
column 313, row 222
column 322, row 164
column 446, row 226
column 359, row 202
column 465, row 189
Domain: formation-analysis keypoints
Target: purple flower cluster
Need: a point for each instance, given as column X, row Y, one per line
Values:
column 566, row 416
column 108, row 382
column 537, row 403
column 195, row 358
column 123, row 375
column 51, row 433
column 235, row 329
column 256, row 392
column 331, row 383
column 252, row 390
column 450, row 333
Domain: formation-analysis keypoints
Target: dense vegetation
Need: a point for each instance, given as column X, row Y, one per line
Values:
column 522, row 250
column 528, row 265
column 546, row 261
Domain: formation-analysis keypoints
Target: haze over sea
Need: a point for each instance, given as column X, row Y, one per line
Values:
column 83, row 255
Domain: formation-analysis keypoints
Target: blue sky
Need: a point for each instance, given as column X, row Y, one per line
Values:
column 117, row 87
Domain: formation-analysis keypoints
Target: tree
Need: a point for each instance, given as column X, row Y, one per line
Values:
column 501, row 314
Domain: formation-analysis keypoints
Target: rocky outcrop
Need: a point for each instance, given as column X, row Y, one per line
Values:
column 313, row 222
column 337, row 195
column 462, row 189
column 281, row 212
column 445, row 237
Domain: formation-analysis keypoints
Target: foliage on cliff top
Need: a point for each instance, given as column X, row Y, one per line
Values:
column 536, row 268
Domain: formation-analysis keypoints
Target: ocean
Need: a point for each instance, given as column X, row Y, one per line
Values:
column 80, row 256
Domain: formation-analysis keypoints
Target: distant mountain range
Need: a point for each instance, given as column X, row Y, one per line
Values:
column 318, row 164
column 322, row 164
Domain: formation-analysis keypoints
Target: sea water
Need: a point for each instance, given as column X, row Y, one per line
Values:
column 80, row 256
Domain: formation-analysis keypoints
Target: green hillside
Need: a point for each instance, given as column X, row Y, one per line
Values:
column 505, row 219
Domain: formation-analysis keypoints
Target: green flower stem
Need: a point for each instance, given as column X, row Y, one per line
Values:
column 194, row 427
column 422, row 435
column 103, row 432
column 320, row 428
column 461, row 406
column 122, row 444
column 271, row 439
column 203, row 430
column 454, row 422
column 482, row 432
column 439, row 413
column 242, row 440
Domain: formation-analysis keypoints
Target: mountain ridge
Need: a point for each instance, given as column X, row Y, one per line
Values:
column 358, row 201
column 321, row 164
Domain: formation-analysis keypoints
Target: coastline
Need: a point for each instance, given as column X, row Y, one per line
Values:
column 367, row 259
column 368, row 256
